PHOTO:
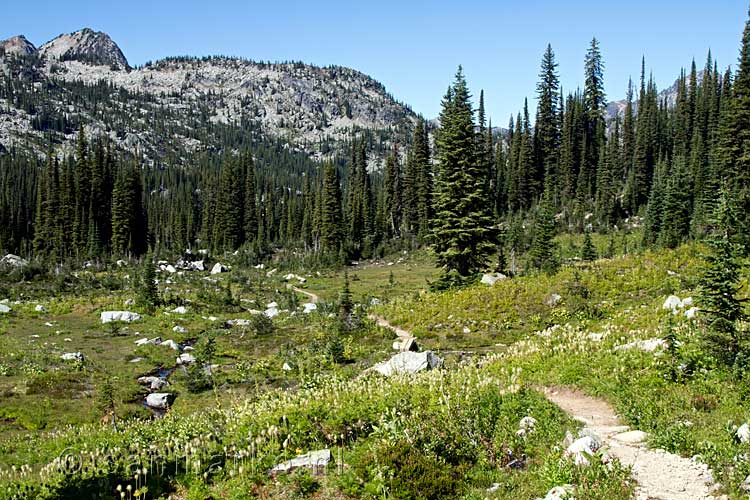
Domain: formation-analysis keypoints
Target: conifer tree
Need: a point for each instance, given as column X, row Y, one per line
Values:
column 547, row 126
column 463, row 232
column 330, row 214
column 543, row 251
column 720, row 287
column 588, row 251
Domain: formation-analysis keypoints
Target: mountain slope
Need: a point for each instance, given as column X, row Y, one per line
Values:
column 314, row 109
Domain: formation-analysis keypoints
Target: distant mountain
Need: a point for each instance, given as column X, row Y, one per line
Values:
column 18, row 46
column 88, row 46
column 670, row 94
column 315, row 109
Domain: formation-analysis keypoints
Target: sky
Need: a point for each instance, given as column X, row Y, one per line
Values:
column 414, row 47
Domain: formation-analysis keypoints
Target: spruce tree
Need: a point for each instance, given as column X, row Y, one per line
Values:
column 547, row 126
column 588, row 251
column 543, row 252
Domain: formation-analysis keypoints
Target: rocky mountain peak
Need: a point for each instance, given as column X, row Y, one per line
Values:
column 88, row 46
column 17, row 45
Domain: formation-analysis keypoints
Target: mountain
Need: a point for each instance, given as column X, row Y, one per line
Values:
column 88, row 46
column 670, row 94
column 178, row 104
column 17, row 45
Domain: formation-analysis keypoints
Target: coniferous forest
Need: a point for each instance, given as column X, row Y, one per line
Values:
column 222, row 278
column 657, row 163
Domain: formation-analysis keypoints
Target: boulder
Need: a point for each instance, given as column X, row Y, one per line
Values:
column 121, row 263
column 553, row 300
column 179, row 329
column 691, row 313
column 4, row 308
column 218, row 268
column 145, row 341
column 72, row 356
column 272, row 305
column 171, row 344
column 687, row 302
column 271, row 312
column 286, row 367
column 185, row 359
column 40, row 308
column 309, row 307
column 492, row 278
column 743, row 433
column 581, row 447
column 408, row 362
column 180, row 310
column 631, row 437
column 125, row 316
column 160, row 400
column 170, row 269
column 13, row 261
column 154, row 383
column 673, row 303
column 316, row 460
column 197, row 266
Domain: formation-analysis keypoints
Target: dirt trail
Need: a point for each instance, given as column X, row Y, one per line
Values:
column 659, row 475
column 313, row 297
column 381, row 321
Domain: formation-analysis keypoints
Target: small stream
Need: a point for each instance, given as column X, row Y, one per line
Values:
column 165, row 373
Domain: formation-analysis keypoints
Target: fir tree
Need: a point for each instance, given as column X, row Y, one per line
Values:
column 331, row 218
column 720, row 287
column 463, row 233
column 588, row 251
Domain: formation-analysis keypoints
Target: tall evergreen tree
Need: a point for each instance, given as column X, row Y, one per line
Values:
column 463, row 233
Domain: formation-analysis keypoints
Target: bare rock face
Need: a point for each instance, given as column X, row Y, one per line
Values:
column 17, row 45
column 87, row 46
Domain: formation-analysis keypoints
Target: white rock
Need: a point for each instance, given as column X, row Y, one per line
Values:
column 317, row 459
column 408, row 362
column 180, row 310
column 170, row 269
column 581, row 447
column 13, row 261
column 271, row 312
column 197, row 265
column 4, row 309
column 309, row 307
column 691, row 313
column 185, row 359
column 743, row 433
column 687, row 302
column 121, row 262
column 159, row 400
column 171, row 344
column 126, row 316
column 631, row 437
column 72, row 356
column 40, row 308
column 136, row 360
column 466, row 330
column 130, row 302
column 272, row 305
column 492, row 278
column 673, row 303
column 286, row 367
column 179, row 329
column 154, row 383
column 218, row 268
column 260, row 266
column 145, row 341
column 67, row 339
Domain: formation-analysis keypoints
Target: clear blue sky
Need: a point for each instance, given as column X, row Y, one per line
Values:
column 413, row 47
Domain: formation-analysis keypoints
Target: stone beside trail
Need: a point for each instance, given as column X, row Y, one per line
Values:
column 659, row 475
